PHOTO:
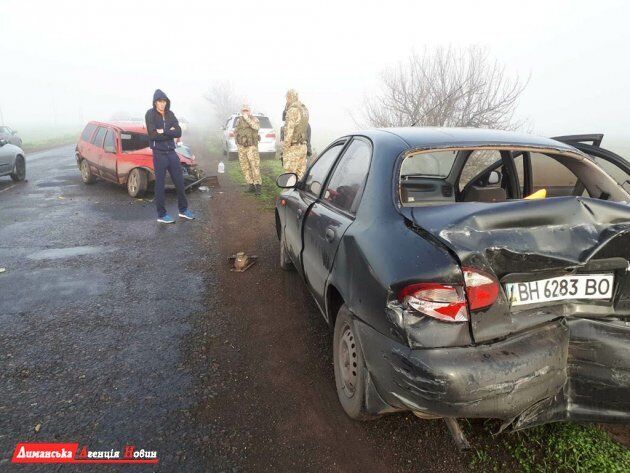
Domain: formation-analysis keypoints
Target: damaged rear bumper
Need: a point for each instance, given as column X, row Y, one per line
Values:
column 573, row 368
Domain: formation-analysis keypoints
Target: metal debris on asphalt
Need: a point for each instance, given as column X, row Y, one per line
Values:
column 242, row 262
column 2, row 270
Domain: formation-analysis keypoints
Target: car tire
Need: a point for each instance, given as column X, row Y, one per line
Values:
column 285, row 260
column 19, row 169
column 232, row 156
column 137, row 183
column 86, row 173
column 349, row 365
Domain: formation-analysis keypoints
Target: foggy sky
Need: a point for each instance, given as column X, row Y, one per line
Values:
column 64, row 63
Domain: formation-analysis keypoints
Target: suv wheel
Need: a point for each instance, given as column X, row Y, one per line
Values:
column 86, row 173
column 137, row 183
column 19, row 169
column 350, row 371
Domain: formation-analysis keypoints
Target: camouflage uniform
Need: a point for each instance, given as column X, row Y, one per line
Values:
column 294, row 147
column 247, row 144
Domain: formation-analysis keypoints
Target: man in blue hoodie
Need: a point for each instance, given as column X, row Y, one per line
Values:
column 163, row 128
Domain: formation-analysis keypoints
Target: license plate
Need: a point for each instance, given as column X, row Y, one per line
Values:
column 578, row 286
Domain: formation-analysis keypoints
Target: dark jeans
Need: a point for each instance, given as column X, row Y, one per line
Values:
column 163, row 160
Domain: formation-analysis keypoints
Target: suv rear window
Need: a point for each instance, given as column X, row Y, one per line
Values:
column 133, row 141
column 87, row 132
column 264, row 122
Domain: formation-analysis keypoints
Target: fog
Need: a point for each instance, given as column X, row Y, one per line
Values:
column 64, row 63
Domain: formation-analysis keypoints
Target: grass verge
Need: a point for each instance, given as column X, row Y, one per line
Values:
column 41, row 141
column 556, row 447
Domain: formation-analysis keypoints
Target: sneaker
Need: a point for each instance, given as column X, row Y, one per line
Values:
column 166, row 219
column 187, row 214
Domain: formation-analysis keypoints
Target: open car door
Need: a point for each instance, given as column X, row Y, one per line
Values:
column 617, row 167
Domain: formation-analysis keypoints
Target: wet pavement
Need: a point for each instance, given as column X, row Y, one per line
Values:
column 95, row 303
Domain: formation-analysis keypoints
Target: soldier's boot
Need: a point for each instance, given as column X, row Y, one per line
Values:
column 257, row 189
column 251, row 190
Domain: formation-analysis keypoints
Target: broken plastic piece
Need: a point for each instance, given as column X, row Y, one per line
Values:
column 539, row 194
column 242, row 262
column 458, row 434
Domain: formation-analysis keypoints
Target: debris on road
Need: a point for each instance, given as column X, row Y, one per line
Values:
column 2, row 270
column 242, row 262
column 204, row 188
column 38, row 428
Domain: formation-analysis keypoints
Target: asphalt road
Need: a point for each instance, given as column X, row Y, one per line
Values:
column 115, row 330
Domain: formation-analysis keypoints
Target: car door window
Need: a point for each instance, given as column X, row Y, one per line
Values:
column 554, row 177
column 110, row 142
column 98, row 137
column 476, row 163
column 319, row 170
column 346, row 184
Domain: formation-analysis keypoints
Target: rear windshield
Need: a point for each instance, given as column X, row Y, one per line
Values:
column 133, row 141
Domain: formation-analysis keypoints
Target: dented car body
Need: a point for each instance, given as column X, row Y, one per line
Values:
column 465, row 292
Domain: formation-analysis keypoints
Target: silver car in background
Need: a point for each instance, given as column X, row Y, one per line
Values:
column 12, row 161
column 9, row 135
column 266, row 145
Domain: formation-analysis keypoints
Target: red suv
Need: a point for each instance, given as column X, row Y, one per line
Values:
column 120, row 153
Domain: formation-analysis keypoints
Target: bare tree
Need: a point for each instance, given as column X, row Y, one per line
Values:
column 446, row 87
column 223, row 99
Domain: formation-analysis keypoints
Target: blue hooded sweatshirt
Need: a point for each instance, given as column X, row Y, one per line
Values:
column 167, row 123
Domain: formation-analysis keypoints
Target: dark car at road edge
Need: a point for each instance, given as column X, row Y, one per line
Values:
column 454, row 290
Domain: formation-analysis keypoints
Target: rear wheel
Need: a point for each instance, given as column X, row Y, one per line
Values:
column 86, row 173
column 350, row 372
column 285, row 260
column 19, row 169
column 137, row 183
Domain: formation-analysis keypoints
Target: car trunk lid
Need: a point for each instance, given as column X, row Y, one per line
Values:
column 523, row 241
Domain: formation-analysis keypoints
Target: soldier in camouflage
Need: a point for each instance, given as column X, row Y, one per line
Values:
column 294, row 147
column 247, row 138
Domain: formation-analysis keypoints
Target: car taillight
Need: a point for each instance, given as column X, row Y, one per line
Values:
column 481, row 288
column 270, row 135
column 440, row 301
column 450, row 303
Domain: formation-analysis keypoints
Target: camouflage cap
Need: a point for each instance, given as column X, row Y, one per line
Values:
column 292, row 95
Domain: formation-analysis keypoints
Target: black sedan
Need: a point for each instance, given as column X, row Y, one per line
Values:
column 468, row 273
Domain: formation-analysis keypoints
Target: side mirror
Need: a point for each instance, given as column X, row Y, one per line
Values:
column 494, row 178
column 3, row 142
column 287, row 180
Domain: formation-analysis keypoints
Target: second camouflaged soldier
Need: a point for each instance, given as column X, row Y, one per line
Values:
column 247, row 138
column 294, row 147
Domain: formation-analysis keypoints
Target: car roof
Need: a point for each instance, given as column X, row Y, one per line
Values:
column 130, row 126
column 435, row 137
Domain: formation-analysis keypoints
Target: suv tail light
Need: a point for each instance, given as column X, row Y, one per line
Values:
column 271, row 135
column 450, row 303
